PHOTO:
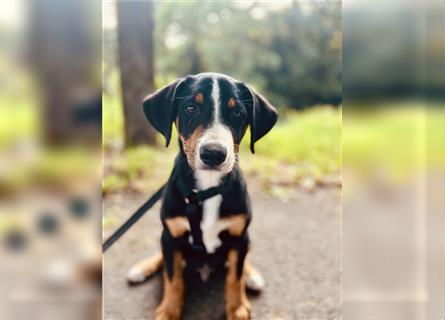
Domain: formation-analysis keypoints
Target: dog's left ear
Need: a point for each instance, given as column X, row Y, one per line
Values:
column 262, row 116
column 159, row 108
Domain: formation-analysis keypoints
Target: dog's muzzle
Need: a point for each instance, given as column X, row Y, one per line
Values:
column 213, row 154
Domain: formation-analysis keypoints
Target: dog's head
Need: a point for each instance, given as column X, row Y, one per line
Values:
column 211, row 112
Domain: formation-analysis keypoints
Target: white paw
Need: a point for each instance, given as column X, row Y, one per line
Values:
column 135, row 275
column 255, row 282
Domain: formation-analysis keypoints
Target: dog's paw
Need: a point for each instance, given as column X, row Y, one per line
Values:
column 255, row 281
column 136, row 275
column 242, row 312
column 145, row 269
column 164, row 312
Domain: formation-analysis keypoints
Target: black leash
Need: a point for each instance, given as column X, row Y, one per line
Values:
column 133, row 219
column 193, row 199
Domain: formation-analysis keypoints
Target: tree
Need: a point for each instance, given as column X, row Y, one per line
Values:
column 290, row 52
column 135, row 38
column 64, row 53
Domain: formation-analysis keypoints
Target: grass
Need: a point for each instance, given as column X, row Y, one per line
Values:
column 18, row 120
column 112, row 121
column 302, row 145
column 395, row 139
column 305, row 144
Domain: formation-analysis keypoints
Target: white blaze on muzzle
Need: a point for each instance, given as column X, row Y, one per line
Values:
column 217, row 134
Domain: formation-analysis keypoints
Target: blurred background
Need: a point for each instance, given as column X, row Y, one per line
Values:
column 290, row 52
column 50, row 159
column 393, row 152
column 387, row 139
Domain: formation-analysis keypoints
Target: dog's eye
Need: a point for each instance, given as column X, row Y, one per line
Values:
column 191, row 109
column 236, row 113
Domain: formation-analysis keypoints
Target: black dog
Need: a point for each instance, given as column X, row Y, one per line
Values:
column 206, row 208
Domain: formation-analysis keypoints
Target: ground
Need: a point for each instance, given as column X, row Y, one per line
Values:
column 295, row 244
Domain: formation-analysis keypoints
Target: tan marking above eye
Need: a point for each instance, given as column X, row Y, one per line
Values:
column 231, row 103
column 199, row 97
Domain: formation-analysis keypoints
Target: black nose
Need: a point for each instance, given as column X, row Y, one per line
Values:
column 213, row 154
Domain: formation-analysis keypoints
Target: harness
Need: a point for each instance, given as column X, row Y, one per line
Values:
column 193, row 210
column 195, row 250
column 193, row 200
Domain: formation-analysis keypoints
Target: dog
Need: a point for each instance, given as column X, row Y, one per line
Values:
column 206, row 208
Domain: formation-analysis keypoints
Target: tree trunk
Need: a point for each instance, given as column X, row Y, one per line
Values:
column 135, row 36
column 64, row 53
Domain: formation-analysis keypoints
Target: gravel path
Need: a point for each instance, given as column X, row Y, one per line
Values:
column 295, row 245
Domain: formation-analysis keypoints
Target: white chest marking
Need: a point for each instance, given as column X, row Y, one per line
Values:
column 210, row 225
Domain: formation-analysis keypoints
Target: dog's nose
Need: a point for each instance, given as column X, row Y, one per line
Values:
column 213, row 154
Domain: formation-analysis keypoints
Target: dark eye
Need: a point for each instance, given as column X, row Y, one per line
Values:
column 236, row 113
column 191, row 109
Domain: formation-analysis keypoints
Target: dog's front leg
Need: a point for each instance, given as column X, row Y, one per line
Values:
column 173, row 297
column 237, row 305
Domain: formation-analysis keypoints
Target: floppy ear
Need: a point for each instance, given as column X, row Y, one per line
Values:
column 160, row 110
column 262, row 118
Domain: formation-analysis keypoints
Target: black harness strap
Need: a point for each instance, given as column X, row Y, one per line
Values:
column 194, row 199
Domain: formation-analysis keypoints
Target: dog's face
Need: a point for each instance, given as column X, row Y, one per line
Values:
column 211, row 113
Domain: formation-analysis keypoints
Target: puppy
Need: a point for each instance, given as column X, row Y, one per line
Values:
column 206, row 208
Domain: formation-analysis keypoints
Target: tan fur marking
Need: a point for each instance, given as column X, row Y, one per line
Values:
column 173, row 298
column 190, row 143
column 199, row 97
column 237, row 305
column 232, row 103
column 236, row 224
column 249, row 269
column 177, row 226
column 236, row 148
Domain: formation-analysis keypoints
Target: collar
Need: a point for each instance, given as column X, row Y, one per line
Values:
column 191, row 195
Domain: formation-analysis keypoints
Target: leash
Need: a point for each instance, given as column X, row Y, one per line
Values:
column 193, row 199
column 133, row 219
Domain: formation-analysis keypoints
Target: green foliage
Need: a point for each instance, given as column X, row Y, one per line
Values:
column 395, row 139
column 18, row 120
column 291, row 53
column 112, row 121
column 137, row 169
column 302, row 145
column 313, row 136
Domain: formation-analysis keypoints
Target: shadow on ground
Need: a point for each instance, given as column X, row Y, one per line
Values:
column 295, row 244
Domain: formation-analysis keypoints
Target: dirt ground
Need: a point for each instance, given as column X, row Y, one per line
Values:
column 295, row 244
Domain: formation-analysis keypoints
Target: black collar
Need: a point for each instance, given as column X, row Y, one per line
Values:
column 186, row 185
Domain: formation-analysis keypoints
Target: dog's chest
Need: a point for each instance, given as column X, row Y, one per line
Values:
column 210, row 224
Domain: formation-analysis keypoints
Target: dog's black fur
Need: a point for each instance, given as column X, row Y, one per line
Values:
column 178, row 103
column 236, row 200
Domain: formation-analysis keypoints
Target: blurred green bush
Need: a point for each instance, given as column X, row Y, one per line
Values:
column 303, row 145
